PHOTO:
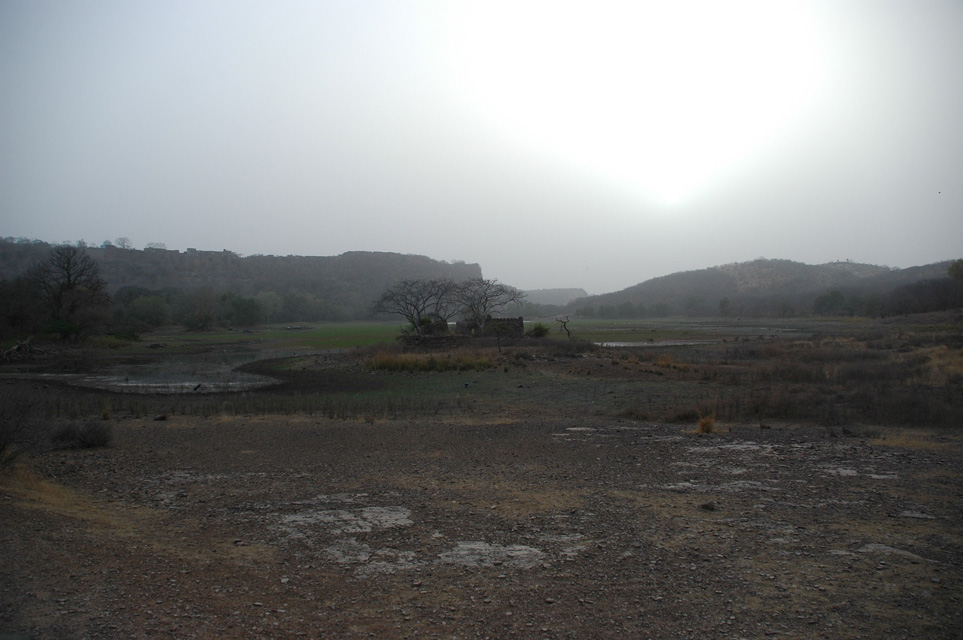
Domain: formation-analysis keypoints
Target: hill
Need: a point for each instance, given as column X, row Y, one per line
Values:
column 558, row 297
column 345, row 285
column 765, row 287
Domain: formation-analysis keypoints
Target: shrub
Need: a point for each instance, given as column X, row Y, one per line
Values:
column 571, row 348
column 538, row 331
column 82, row 435
column 707, row 424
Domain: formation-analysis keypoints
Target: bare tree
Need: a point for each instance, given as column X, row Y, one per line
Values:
column 480, row 298
column 563, row 325
column 423, row 303
column 124, row 242
column 70, row 288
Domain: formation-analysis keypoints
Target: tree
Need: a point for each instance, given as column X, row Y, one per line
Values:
column 124, row 242
column 426, row 304
column 244, row 312
column 563, row 325
column 200, row 311
column 72, row 292
column 956, row 270
column 20, row 310
column 830, row 304
column 480, row 298
column 725, row 307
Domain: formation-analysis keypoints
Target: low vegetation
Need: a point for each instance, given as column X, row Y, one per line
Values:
column 873, row 373
column 386, row 359
column 86, row 434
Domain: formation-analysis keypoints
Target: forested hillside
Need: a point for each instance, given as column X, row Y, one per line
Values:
column 284, row 288
column 782, row 288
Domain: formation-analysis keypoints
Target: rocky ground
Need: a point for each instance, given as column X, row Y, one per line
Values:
column 485, row 527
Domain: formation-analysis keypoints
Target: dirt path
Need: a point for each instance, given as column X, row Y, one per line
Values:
column 278, row 527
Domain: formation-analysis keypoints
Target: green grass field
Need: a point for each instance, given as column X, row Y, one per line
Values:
column 306, row 337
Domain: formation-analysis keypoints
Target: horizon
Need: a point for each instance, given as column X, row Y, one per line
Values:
column 482, row 267
column 566, row 147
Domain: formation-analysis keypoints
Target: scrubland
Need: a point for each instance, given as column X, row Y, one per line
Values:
column 714, row 479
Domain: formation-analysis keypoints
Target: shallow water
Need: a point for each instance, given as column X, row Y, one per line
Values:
column 656, row 343
column 195, row 373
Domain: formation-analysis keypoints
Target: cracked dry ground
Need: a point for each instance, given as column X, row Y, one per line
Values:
column 277, row 527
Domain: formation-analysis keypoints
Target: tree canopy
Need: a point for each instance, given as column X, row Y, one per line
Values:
column 428, row 304
column 71, row 291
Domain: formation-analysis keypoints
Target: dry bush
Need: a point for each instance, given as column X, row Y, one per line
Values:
column 82, row 435
column 458, row 360
column 707, row 424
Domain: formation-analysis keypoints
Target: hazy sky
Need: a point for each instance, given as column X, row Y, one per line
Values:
column 582, row 144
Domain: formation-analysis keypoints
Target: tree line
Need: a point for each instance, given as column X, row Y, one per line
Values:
column 430, row 304
column 64, row 294
column 286, row 288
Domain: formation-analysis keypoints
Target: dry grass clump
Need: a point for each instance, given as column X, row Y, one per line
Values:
column 457, row 360
column 942, row 364
column 707, row 424
column 665, row 361
column 22, row 480
column 82, row 435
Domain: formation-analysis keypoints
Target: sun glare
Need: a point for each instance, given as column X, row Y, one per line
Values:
column 661, row 97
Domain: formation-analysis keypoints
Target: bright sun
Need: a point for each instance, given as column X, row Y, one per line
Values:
column 660, row 96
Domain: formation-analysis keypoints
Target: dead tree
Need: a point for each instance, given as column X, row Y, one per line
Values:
column 563, row 326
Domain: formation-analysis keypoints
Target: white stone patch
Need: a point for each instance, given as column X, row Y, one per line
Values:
column 387, row 561
column 736, row 446
column 348, row 551
column 841, row 472
column 915, row 514
column 734, row 471
column 337, row 498
column 575, row 544
column 747, row 485
column 732, row 487
column 341, row 521
column 882, row 548
column 483, row 554
column 685, row 486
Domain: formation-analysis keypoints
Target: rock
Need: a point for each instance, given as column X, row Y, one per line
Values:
column 914, row 514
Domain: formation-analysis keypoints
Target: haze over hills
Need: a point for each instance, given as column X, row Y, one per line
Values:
column 759, row 287
column 554, row 296
column 345, row 286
